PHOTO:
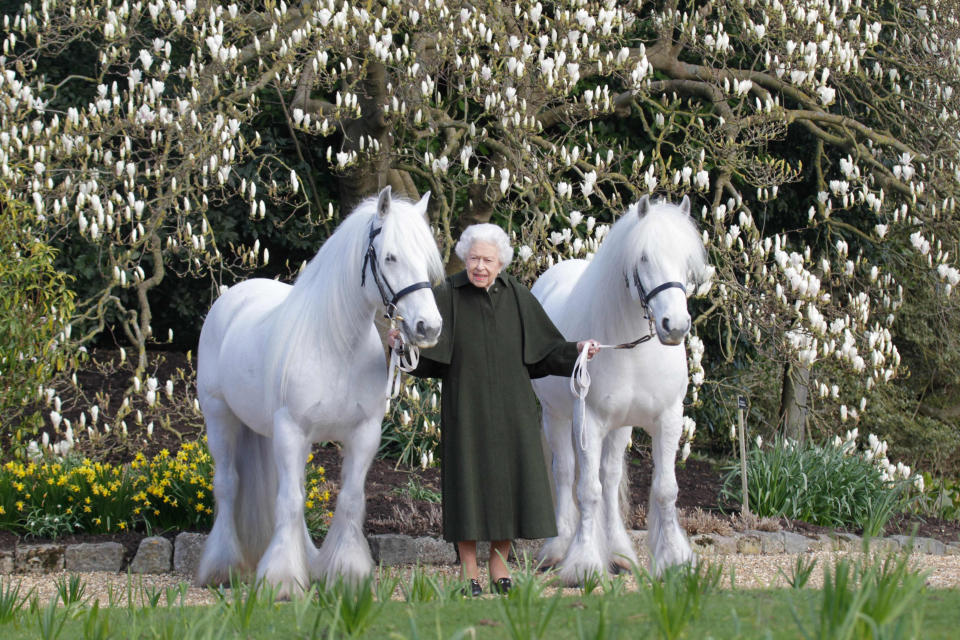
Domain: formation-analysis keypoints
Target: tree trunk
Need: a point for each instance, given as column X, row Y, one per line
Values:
column 372, row 172
column 793, row 402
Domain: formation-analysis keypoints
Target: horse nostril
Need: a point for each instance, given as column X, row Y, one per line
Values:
column 421, row 328
column 666, row 324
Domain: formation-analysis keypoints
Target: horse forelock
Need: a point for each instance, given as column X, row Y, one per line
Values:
column 665, row 235
column 406, row 232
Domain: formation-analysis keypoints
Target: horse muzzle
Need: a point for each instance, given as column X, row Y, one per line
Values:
column 423, row 333
column 672, row 330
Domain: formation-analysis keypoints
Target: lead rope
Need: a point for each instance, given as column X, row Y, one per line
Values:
column 580, row 379
column 402, row 358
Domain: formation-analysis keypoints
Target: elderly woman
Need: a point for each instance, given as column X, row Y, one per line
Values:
column 495, row 337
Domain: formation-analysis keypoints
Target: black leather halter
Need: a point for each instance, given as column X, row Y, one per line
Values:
column 387, row 294
column 645, row 299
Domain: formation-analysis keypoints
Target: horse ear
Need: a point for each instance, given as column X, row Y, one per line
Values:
column 383, row 202
column 685, row 205
column 643, row 206
column 423, row 204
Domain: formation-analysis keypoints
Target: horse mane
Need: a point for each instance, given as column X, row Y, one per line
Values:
column 665, row 235
column 326, row 302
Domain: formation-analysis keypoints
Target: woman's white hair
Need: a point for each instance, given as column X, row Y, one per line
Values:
column 489, row 233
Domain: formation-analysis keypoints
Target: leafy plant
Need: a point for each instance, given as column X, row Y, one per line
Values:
column 675, row 598
column 802, row 569
column 606, row 629
column 50, row 619
column 825, row 485
column 96, row 624
column 526, row 613
column 868, row 599
column 353, row 605
column 411, row 433
column 591, row 582
column 41, row 524
column 71, row 589
column 35, row 309
column 417, row 491
column 422, row 587
column 11, row 602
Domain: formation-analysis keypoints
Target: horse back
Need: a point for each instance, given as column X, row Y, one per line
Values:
column 236, row 316
column 553, row 288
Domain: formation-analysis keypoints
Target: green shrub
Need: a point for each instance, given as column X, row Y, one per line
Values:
column 828, row 485
column 35, row 309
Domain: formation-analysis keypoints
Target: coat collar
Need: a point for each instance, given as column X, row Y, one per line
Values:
column 460, row 279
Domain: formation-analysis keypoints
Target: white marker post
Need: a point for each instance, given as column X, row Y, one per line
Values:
column 741, row 410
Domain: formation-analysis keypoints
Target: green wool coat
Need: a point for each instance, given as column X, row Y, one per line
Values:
column 494, row 478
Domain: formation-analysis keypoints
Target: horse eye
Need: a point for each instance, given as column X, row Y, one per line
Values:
column 390, row 258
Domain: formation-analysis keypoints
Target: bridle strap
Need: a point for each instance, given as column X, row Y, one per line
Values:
column 388, row 296
column 402, row 356
column 645, row 297
column 580, row 379
column 413, row 287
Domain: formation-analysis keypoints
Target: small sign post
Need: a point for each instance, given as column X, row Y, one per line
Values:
column 741, row 417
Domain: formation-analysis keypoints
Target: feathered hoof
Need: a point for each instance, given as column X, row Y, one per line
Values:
column 349, row 568
column 623, row 562
column 575, row 574
column 616, row 568
column 552, row 553
column 672, row 560
column 285, row 587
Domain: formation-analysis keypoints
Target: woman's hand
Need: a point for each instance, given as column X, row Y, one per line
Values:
column 592, row 346
column 393, row 335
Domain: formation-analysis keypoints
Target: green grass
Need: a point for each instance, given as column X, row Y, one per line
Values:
column 880, row 598
column 725, row 614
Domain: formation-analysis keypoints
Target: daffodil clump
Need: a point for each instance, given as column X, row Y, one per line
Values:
column 50, row 498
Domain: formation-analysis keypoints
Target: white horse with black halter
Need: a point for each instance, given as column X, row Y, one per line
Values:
column 281, row 367
column 635, row 288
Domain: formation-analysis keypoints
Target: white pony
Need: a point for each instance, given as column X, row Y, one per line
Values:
column 634, row 286
column 281, row 367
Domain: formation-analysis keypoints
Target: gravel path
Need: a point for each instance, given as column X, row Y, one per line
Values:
column 750, row 571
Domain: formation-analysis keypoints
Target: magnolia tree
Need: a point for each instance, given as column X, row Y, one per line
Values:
column 817, row 139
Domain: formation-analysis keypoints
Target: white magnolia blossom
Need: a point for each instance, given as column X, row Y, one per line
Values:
column 168, row 132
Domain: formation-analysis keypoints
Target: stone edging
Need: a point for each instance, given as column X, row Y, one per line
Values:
column 158, row 555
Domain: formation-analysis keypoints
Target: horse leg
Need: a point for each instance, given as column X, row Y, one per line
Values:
column 619, row 545
column 345, row 551
column 557, row 431
column 586, row 554
column 665, row 538
column 284, row 562
column 222, row 552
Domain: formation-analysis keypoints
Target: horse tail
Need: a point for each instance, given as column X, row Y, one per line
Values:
column 256, row 494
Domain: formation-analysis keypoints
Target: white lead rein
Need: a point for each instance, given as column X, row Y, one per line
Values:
column 580, row 379
column 580, row 387
column 406, row 363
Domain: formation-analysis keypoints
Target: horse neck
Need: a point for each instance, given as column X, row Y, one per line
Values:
column 327, row 309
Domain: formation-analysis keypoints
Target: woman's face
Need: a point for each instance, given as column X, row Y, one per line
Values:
column 483, row 264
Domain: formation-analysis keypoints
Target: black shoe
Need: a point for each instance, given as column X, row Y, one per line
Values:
column 501, row 586
column 475, row 588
